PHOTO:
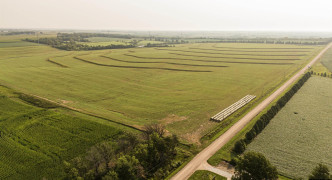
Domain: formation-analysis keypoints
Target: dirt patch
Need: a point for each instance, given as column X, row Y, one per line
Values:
column 195, row 137
column 65, row 101
column 225, row 166
column 172, row 118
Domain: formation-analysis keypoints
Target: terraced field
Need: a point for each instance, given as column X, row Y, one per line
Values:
column 181, row 87
column 299, row 136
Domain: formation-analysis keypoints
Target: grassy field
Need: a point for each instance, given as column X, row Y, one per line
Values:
column 34, row 142
column 104, row 41
column 180, row 87
column 298, row 138
column 206, row 175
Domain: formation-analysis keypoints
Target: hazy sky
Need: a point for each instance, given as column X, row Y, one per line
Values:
column 264, row 15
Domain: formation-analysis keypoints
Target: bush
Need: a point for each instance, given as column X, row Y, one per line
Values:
column 239, row 147
column 254, row 166
column 320, row 172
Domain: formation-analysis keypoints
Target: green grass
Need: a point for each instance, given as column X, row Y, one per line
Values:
column 206, row 175
column 16, row 44
column 297, row 139
column 34, row 142
column 141, row 86
column 104, row 41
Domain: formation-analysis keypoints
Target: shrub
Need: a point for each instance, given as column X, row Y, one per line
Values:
column 239, row 147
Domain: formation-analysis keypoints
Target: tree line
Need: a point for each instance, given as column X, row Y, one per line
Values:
column 70, row 44
column 130, row 158
column 20, row 32
column 313, row 42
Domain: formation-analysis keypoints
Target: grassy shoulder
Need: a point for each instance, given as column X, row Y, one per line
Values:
column 206, row 175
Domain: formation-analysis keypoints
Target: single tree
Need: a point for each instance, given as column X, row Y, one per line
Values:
column 254, row 166
column 320, row 172
column 239, row 147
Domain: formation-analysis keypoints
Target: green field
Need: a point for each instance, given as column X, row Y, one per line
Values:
column 181, row 87
column 104, row 41
column 299, row 137
column 327, row 59
column 34, row 142
column 206, row 175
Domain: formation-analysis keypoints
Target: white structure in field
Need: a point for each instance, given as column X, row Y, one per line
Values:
column 232, row 108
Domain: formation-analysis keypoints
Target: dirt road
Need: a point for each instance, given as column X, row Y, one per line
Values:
column 206, row 153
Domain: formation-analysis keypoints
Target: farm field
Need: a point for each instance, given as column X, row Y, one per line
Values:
column 327, row 60
column 34, row 141
column 298, row 138
column 180, row 87
column 105, row 41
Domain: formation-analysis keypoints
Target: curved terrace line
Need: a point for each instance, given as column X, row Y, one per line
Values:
column 201, row 52
column 242, row 50
column 259, row 59
column 183, row 59
column 119, row 60
column 137, row 67
column 255, row 48
column 56, row 63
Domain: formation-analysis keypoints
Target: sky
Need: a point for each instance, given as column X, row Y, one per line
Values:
column 197, row 15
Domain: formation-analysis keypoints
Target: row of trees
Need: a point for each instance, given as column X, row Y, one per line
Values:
column 130, row 158
column 313, row 42
column 264, row 120
column 71, row 45
column 20, row 32
column 168, row 40
column 84, row 36
column 321, row 74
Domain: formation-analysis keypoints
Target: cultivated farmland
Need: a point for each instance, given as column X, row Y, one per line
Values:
column 327, row 60
column 181, row 87
column 34, row 142
column 299, row 136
